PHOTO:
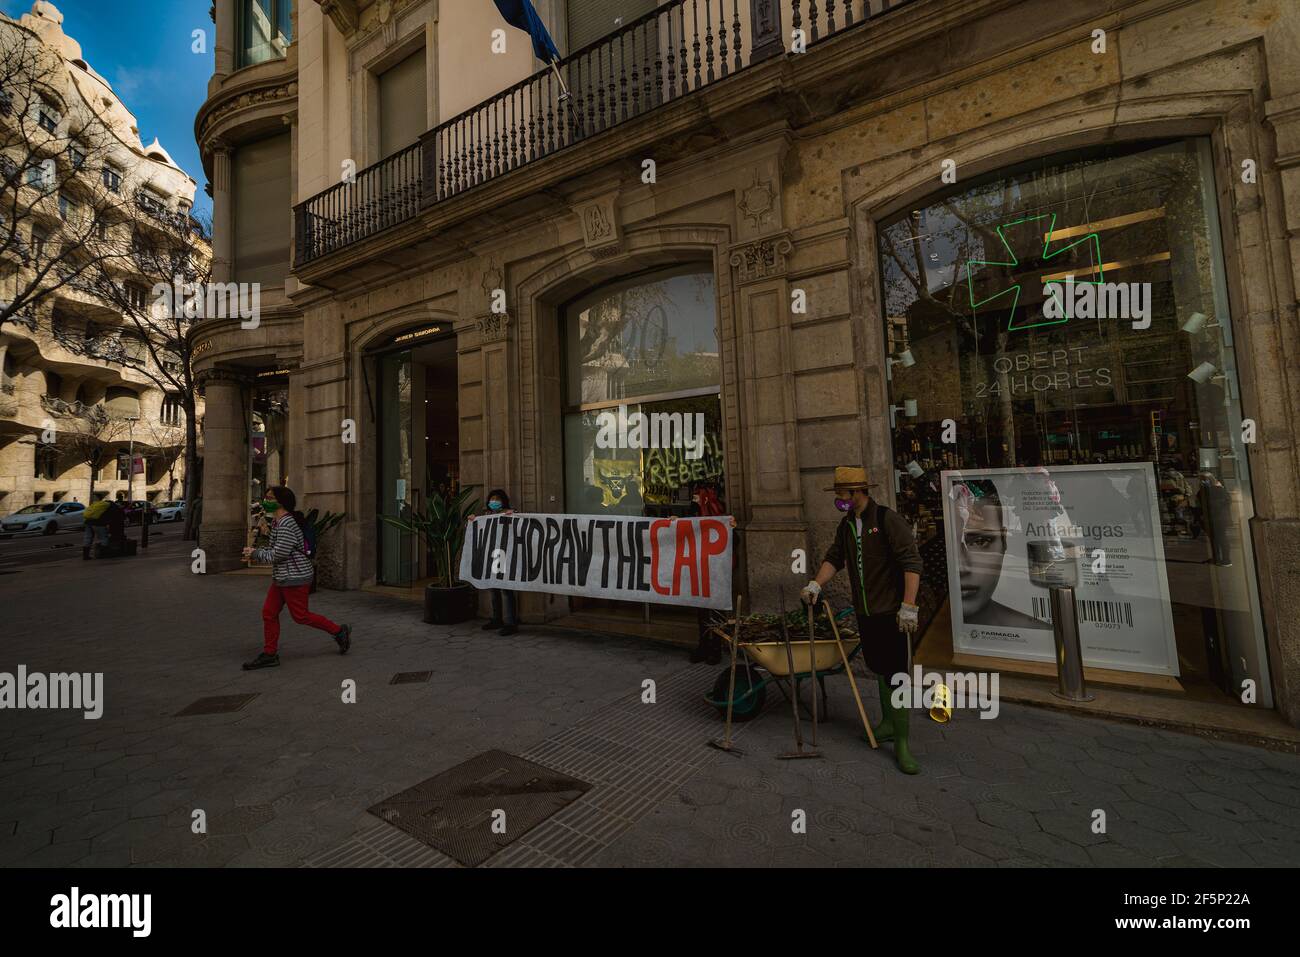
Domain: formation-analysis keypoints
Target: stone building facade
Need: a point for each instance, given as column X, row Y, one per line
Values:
column 49, row 371
column 779, row 184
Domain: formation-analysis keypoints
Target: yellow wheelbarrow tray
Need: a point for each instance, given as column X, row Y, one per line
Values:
column 821, row 656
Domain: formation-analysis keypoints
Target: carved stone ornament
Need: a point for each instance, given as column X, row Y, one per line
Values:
column 757, row 202
column 492, row 327
column 493, row 279
column 761, row 259
column 267, row 94
column 343, row 13
column 600, row 230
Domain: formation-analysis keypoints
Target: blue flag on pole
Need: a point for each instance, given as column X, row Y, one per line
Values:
column 522, row 14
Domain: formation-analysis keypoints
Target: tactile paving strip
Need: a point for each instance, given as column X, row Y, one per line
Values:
column 634, row 754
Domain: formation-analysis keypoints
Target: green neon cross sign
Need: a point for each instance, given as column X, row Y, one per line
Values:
column 1013, row 261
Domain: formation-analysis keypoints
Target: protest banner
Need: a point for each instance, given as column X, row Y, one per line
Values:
column 667, row 561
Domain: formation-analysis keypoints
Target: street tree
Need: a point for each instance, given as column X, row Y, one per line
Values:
column 89, row 435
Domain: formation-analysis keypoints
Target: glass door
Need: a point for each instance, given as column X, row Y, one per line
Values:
column 397, row 558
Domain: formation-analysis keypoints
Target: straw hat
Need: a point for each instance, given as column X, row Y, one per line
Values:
column 848, row 478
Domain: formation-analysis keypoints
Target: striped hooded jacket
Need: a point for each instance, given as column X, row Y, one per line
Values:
column 287, row 554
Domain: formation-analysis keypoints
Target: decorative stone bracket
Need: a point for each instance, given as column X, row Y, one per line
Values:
column 761, row 259
column 343, row 13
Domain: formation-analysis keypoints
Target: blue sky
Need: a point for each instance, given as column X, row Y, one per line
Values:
column 143, row 48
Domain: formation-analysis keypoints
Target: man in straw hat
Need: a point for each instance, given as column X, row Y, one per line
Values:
column 884, row 575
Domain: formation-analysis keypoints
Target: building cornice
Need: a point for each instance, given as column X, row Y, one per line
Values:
column 241, row 100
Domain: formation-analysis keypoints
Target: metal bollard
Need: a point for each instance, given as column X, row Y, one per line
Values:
column 1069, row 656
column 1054, row 565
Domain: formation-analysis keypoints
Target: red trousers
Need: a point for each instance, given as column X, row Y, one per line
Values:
column 295, row 596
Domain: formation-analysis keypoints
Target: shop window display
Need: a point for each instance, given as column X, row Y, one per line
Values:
column 1062, row 368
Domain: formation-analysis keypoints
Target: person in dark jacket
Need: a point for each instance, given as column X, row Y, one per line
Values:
column 504, row 621
column 877, row 545
column 291, row 576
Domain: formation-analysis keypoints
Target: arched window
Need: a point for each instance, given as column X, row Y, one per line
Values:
column 644, row 352
column 122, row 403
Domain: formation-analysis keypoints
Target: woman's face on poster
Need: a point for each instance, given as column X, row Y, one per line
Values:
column 981, row 546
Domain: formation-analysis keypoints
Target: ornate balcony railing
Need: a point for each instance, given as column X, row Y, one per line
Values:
column 663, row 56
column 369, row 202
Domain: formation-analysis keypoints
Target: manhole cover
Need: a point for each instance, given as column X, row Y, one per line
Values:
column 456, row 811
column 221, row 704
column 410, row 677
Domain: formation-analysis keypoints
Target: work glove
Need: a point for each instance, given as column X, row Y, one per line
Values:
column 907, row 622
column 811, row 593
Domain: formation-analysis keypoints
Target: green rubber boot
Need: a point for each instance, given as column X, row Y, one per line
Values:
column 885, row 730
column 906, row 763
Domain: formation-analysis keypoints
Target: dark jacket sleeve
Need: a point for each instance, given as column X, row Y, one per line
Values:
column 906, row 553
column 835, row 554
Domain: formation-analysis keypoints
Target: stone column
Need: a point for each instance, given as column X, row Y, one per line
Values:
column 223, row 49
column 225, row 471
column 18, row 473
column 222, row 220
column 498, row 417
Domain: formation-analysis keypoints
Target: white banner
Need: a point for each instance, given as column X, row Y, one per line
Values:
column 667, row 561
column 1111, row 512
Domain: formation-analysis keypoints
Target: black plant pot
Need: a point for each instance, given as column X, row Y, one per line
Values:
column 449, row 606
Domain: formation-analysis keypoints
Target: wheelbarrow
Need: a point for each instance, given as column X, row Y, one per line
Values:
column 766, row 662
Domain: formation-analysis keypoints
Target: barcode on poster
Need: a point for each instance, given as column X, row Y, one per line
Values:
column 1106, row 612
column 1042, row 608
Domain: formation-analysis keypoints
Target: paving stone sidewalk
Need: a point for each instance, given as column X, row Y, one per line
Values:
column 287, row 779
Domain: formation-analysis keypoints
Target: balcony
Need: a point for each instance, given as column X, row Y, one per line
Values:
column 663, row 57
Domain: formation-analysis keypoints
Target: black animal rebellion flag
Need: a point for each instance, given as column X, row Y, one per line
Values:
column 669, row 561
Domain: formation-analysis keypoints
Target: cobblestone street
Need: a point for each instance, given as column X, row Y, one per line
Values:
column 287, row 779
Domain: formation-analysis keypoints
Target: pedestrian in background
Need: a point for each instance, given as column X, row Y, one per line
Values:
column 291, row 577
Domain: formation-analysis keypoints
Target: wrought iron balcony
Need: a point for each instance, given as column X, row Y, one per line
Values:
column 670, row 53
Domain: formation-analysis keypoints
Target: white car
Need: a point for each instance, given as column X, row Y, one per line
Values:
column 170, row 512
column 45, row 517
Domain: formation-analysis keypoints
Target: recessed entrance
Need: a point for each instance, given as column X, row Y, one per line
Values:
column 419, row 445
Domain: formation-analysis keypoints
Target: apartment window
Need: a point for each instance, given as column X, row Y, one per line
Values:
column 265, row 30
column 67, row 208
column 40, row 239
column 112, row 179
column 172, row 410
column 589, row 20
column 41, row 175
column 8, row 169
column 77, row 155
column 262, row 201
column 135, row 296
column 47, row 116
column 152, row 203
column 402, row 99
column 47, row 460
column 6, row 103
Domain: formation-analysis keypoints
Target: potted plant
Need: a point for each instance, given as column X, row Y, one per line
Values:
column 447, row 600
column 319, row 523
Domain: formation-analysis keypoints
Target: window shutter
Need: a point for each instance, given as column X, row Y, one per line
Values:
column 262, row 200
column 589, row 20
column 403, row 103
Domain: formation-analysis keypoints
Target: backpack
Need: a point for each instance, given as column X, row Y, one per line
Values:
column 309, row 540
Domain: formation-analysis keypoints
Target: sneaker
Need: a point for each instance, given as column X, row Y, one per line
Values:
column 344, row 638
column 507, row 630
column 262, row 661
column 492, row 626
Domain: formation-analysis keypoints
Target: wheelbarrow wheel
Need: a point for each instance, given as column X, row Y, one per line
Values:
column 750, row 694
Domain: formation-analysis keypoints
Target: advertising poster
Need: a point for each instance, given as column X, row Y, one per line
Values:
column 1110, row 511
column 668, row 561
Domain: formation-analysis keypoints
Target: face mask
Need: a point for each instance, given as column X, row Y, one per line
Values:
column 269, row 506
column 844, row 504
column 495, row 505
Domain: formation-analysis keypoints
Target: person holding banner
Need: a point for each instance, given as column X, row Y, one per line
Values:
column 504, row 620
column 884, row 576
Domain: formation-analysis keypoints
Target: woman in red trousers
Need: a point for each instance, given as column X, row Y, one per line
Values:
column 291, row 576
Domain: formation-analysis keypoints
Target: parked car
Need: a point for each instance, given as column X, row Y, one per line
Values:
column 45, row 517
column 137, row 510
column 170, row 512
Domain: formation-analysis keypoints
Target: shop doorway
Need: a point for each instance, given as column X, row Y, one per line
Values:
column 419, row 445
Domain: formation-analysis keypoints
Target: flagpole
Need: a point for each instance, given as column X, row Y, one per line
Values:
column 564, row 90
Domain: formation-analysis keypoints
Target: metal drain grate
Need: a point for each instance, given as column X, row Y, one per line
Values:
column 221, row 704
column 454, row 811
column 410, row 677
